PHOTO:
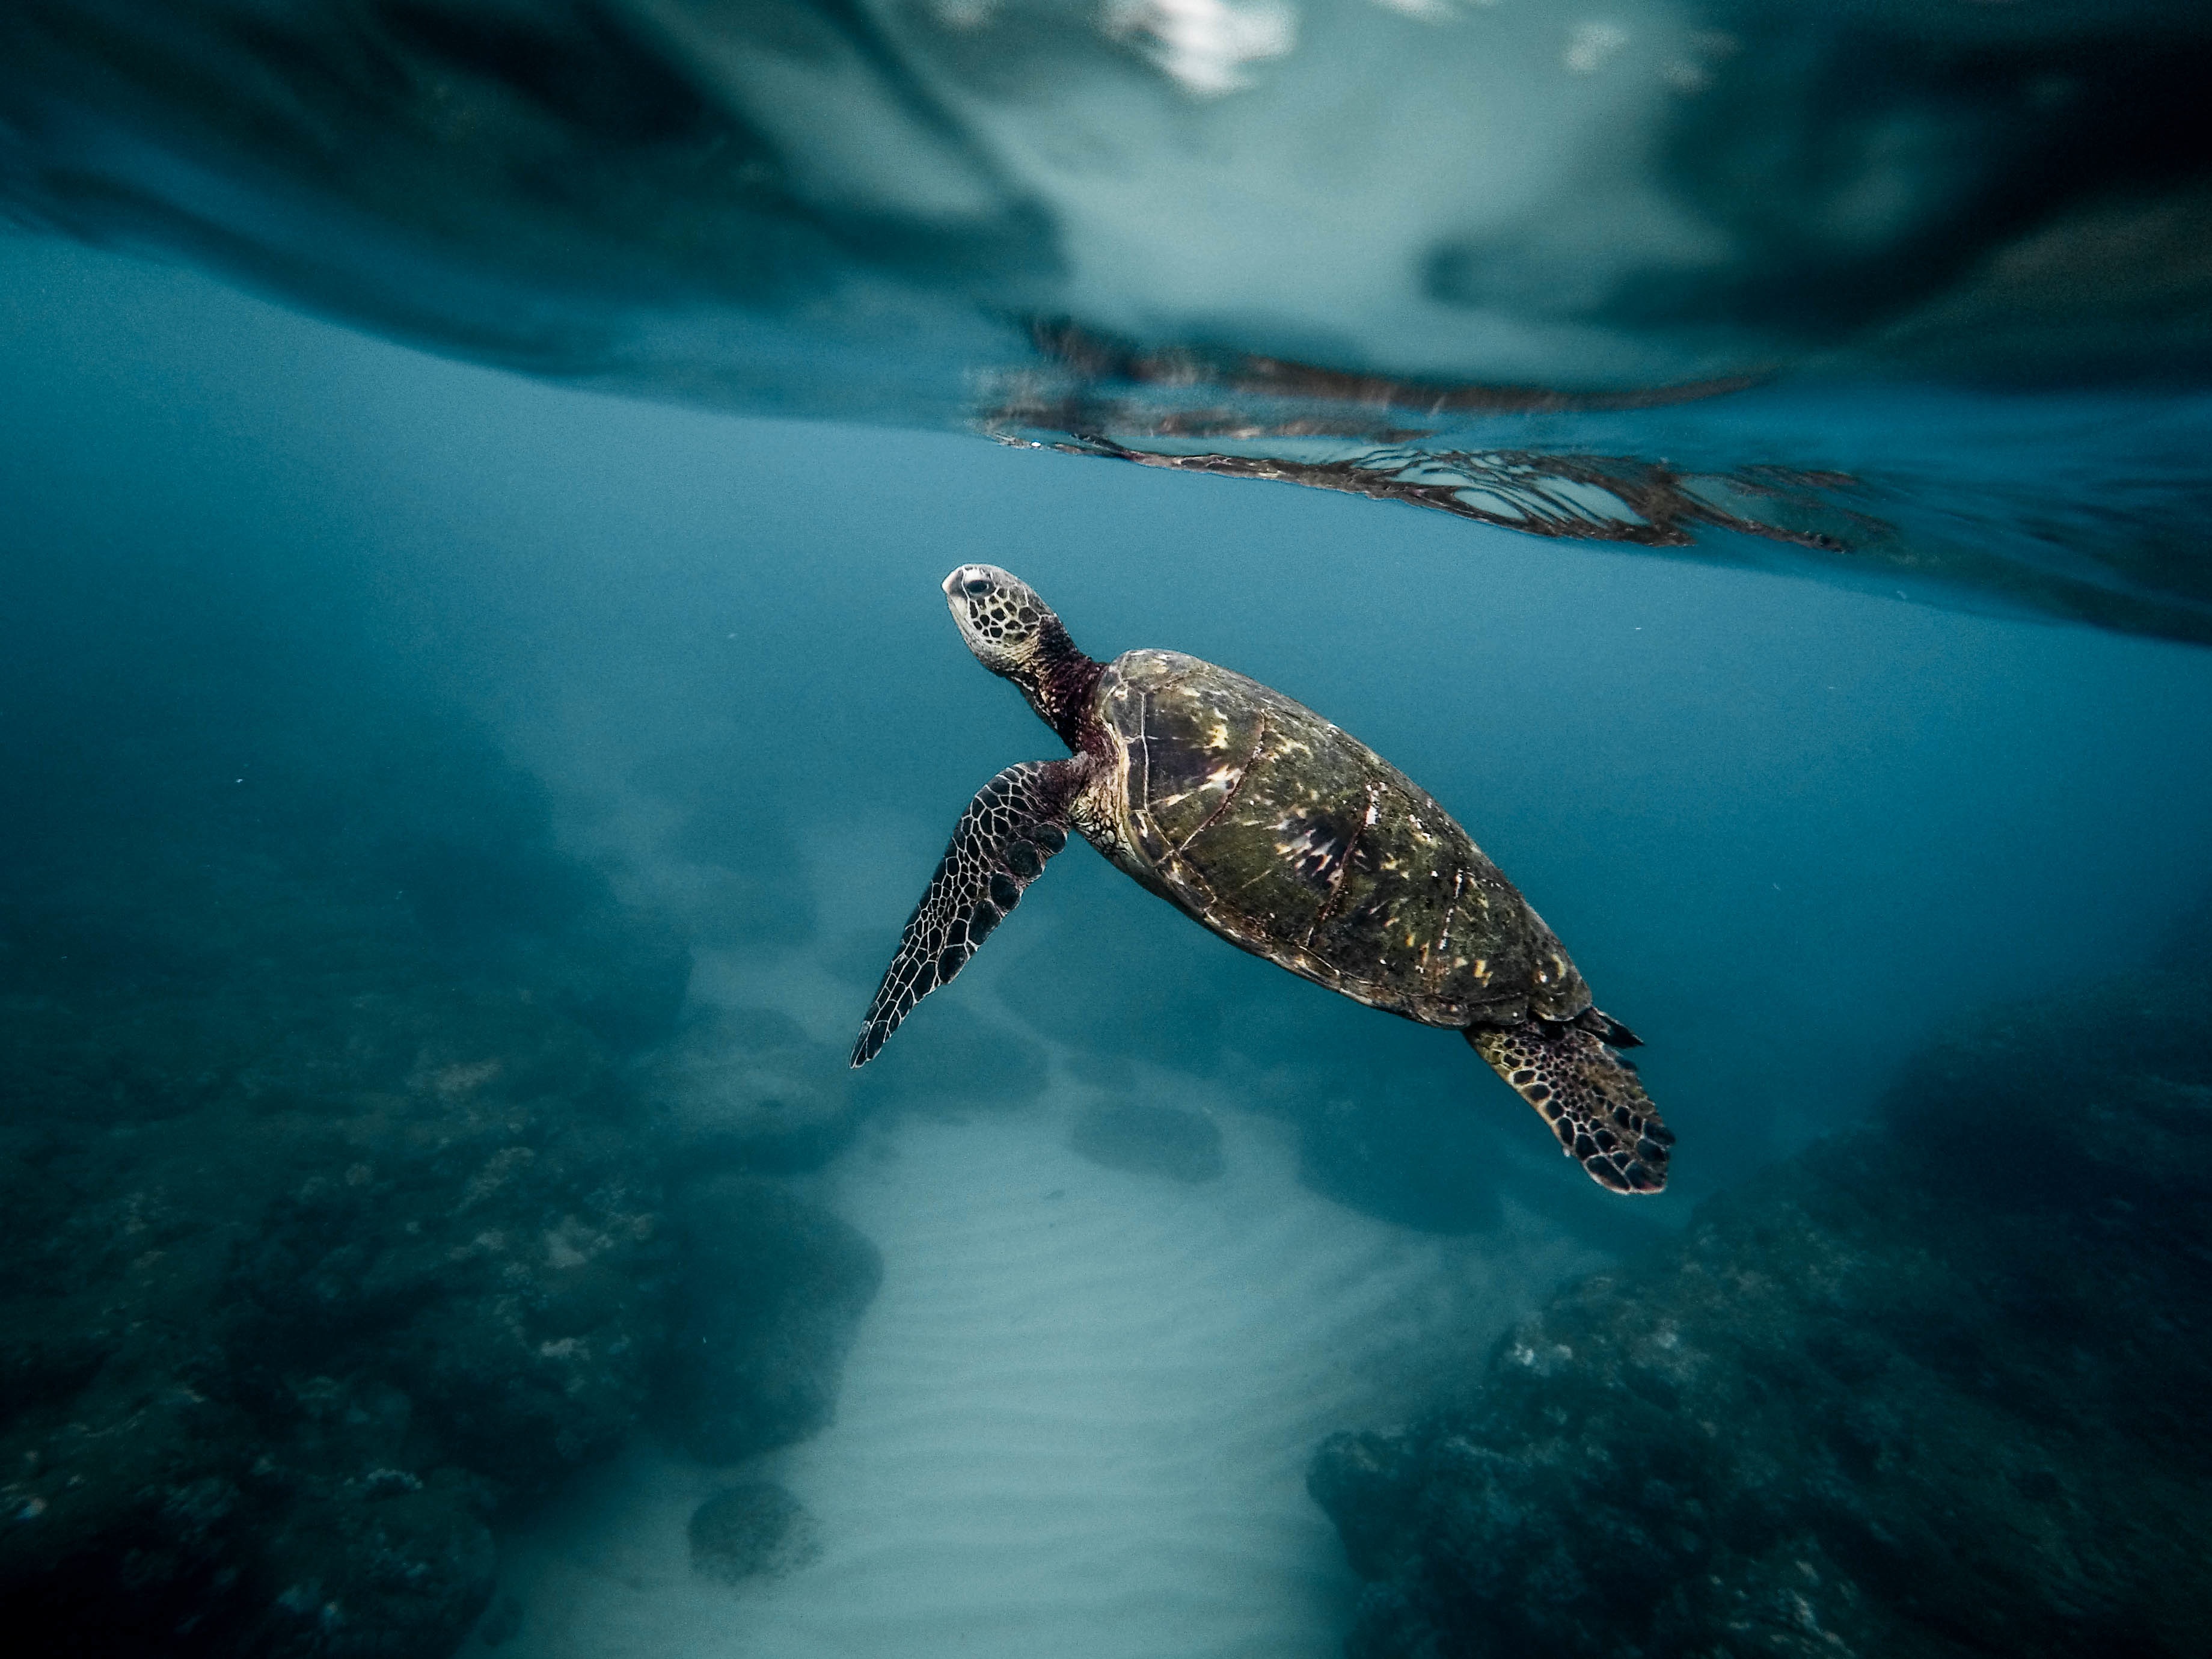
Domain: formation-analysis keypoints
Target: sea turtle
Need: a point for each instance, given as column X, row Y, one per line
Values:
column 1290, row 839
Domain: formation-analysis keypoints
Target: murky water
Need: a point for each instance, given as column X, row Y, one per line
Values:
column 455, row 818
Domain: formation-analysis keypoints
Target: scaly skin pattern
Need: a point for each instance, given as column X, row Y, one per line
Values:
column 1295, row 842
column 998, row 848
column 1591, row 1097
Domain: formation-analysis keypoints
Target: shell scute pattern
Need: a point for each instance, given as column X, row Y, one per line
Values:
column 1297, row 842
column 1188, row 768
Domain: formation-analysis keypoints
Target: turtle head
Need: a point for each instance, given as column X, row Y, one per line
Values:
column 1012, row 631
column 1014, row 634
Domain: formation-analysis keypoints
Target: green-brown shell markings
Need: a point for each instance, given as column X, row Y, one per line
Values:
column 1294, row 840
column 1289, row 838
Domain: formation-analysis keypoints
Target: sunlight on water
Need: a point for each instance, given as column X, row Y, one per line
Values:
column 1621, row 271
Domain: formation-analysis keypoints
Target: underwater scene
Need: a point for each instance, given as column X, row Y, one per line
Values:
column 674, row 981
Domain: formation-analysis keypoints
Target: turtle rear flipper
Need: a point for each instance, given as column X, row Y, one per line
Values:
column 1016, row 821
column 1591, row 1097
column 1608, row 1030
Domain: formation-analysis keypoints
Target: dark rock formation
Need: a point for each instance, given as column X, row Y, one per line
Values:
column 773, row 1287
column 332, row 1223
column 1162, row 1140
column 753, row 1530
column 1921, row 1393
column 281, row 1322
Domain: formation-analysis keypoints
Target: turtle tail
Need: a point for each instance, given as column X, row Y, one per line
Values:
column 1591, row 1097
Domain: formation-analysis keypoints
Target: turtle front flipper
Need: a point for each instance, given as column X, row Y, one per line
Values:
column 1016, row 821
column 1591, row 1097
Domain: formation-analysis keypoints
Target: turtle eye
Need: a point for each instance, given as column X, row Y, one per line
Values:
column 977, row 586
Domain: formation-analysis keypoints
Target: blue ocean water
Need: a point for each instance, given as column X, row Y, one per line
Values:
column 457, row 809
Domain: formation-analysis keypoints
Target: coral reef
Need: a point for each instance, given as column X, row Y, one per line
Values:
column 1922, row 1391
column 304, row 1276
column 335, row 1210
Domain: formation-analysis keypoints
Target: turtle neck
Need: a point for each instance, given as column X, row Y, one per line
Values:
column 1059, row 681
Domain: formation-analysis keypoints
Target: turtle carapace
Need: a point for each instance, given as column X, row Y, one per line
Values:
column 1289, row 838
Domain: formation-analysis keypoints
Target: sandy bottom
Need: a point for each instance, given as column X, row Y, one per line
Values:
column 1075, row 1422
